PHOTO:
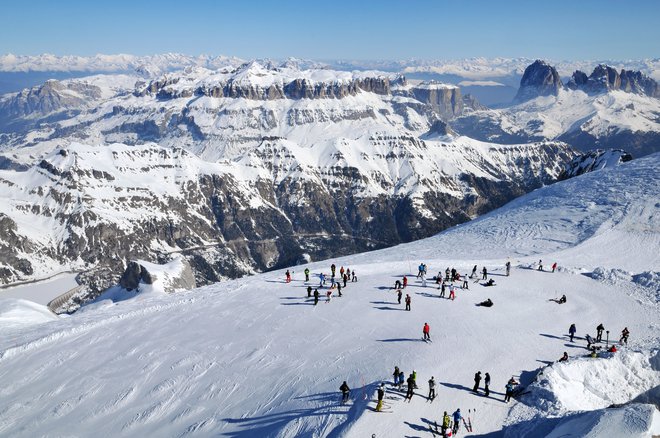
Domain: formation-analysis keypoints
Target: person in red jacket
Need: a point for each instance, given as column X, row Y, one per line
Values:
column 427, row 331
column 405, row 281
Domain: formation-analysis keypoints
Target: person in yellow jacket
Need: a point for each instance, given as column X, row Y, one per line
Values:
column 446, row 423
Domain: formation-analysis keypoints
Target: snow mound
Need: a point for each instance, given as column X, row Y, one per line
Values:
column 611, row 276
column 649, row 279
column 590, row 384
column 21, row 313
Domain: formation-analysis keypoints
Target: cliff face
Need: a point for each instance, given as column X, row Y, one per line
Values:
column 605, row 78
column 539, row 79
column 276, row 206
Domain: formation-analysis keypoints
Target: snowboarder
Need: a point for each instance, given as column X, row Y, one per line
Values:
column 564, row 358
column 452, row 292
column 426, row 331
column 624, row 336
column 562, row 300
column 408, row 302
column 487, row 303
column 288, row 276
column 396, row 375
column 309, row 291
column 316, row 296
column 554, row 266
column 457, row 421
column 599, row 332
column 571, row 331
column 486, row 385
column 431, row 388
column 510, row 386
column 477, row 381
column 411, row 388
column 345, row 392
column 306, row 274
column 474, row 272
column 508, row 268
column 332, row 269
column 381, row 394
column 398, row 295
column 405, row 281
column 540, row 265
column 445, row 423
column 484, row 271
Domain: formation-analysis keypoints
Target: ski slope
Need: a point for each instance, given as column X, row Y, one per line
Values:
column 254, row 357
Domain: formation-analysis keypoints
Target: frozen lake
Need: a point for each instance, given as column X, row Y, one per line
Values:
column 42, row 292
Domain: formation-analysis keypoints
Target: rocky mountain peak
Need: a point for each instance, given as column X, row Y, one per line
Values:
column 539, row 79
column 605, row 78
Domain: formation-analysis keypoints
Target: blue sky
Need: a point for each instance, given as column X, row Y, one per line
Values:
column 340, row 29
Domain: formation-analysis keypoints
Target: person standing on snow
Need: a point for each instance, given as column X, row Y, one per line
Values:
column 408, row 300
column 405, row 281
column 624, row 336
column 445, row 424
column 420, row 270
column 396, row 375
column 345, row 278
column 431, row 388
column 398, row 295
column 381, row 394
column 345, row 392
column 484, row 271
column 411, row 388
column 599, row 332
column 540, row 265
column 339, row 289
column 402, row 378
column 321, row 279
column 288, row 276
column 510, row 387
column 474, row 272
column 571, row 331
column 508, row 268
column 423, row 280
column 341, row 271
column 487, row 384
column 309, row 291
column 442, row 289
column 316, row 296
column 452, row 292
column 457, row 421
column 426, row 331
column 333, row 268
column 465, row 282
column 414, row 376
column 554, row 266
column 477, row 381
column 354, row 278
column 306, row 274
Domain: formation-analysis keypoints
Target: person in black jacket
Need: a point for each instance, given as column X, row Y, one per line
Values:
column 345, row 392
column 487, row 384
column 477, row 381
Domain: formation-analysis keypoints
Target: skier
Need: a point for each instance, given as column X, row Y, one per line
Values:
column 309, row 291
column 484, row 271
column 426, row 331
column 405, row 281
column 431, row 388
column 457, row 421
column 487, row 303
column 381, row 394
column 408, row 302
column 508, row 268
column 624, row 336
column 510, row 386
column 571, row 331
column 590, row 341
column 554, row 266
column 306, row 274
column 445, row 424
column 396, row 375
column 345, row 392
column 452, row 292
column 354, row 278
column 477, row 381
column 540, row 265
column 474, row 272
column 332, row 269
column 564, row 358
column 411, row 388
column 288, row 276
column 398, row 295
column 316, row 296
column 599, row 332
column 487, row 384
column 465, row 282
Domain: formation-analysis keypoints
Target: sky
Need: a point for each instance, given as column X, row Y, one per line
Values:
column 339, row 29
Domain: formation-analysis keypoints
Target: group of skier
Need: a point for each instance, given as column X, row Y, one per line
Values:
column 336, row 284
column 600, row 328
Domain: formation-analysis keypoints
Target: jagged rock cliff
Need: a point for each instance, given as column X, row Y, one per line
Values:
column 539, row 79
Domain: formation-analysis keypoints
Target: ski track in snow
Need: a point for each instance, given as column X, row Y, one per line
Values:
column 253, row 357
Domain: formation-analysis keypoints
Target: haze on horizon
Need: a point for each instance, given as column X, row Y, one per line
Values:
column 365, row 30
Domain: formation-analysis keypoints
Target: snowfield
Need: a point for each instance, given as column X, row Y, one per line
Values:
column 254, row 357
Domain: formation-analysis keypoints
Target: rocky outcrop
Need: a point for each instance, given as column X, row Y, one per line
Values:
column 444, row 100
column 605, row 78
column 539, row 79
column 595, row 160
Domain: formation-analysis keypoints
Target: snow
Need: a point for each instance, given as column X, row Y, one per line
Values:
column 254, row 357
column 18, row 313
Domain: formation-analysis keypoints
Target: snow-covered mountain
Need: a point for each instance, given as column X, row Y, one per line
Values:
column 255, row 357
column 608, row 109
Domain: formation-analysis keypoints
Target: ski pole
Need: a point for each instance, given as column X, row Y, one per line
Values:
column 607, row 341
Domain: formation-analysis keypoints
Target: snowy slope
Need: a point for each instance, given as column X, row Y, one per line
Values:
column 254, row 357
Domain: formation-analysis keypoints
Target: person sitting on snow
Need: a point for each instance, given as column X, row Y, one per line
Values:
column 487, row 303
column 564, row 358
